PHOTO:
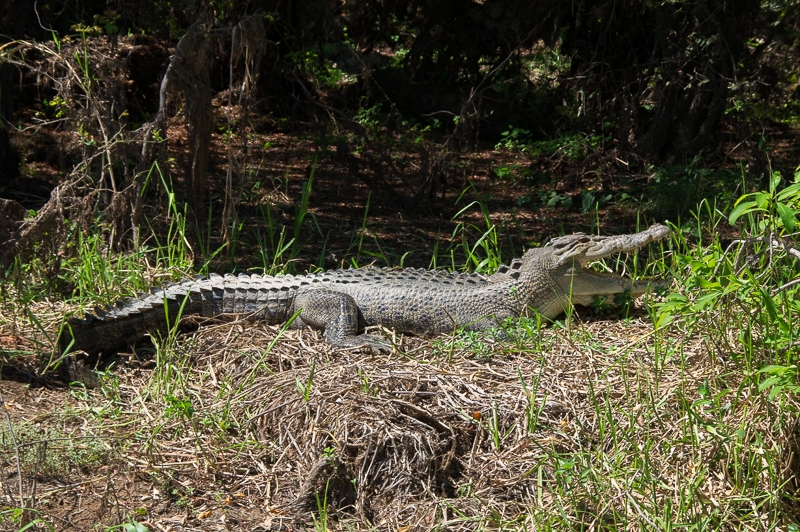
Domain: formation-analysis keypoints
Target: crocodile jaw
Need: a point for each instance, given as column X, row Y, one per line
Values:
column 573, row 253
column 585, row 285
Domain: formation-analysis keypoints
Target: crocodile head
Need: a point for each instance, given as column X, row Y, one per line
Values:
column 565, row 261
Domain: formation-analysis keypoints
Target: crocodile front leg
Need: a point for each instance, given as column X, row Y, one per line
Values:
column 339, row 317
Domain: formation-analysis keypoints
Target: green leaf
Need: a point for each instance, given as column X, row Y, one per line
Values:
column 771, row 381
column 133, row 526
column 792, row 191
column 763, row 199
column 772, row 310
column 741, row 209
column 775, row 391
column 776, row 370
column 704, row 390
column 769, row 303
column 664, row 319
column 774, row 181
column 706, row 300
column 706, row 284
column 29, row 525
column 788, row 216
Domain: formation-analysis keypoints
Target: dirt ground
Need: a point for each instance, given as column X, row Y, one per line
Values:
column 408, row 429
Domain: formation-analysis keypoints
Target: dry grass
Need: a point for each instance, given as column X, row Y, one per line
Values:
column 616, row 427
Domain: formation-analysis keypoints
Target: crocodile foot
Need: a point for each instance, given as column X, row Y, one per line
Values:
column 73, row 368
column 365, row 343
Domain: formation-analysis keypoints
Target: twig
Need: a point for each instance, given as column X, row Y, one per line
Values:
column 16, row 451
column 785, row 286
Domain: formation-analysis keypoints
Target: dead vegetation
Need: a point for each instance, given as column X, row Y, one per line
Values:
column 86, row 85
column 243, row 427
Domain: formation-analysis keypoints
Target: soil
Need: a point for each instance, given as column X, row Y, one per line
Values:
column 419, row 415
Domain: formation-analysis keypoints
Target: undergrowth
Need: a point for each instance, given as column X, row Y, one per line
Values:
column 681, row 416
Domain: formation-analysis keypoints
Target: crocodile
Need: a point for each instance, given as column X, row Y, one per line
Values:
column 342, row 302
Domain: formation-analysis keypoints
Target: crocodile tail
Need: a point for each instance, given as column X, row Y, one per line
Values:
column 127, row 323
column 117, row 327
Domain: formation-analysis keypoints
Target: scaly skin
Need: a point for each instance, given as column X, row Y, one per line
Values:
column 341, row 302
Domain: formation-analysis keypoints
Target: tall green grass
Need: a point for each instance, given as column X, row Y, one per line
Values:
column 738, row 302
column 730, row 408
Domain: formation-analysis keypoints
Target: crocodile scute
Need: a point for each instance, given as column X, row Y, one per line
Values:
column 341, row 303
